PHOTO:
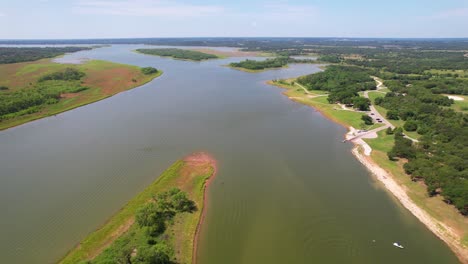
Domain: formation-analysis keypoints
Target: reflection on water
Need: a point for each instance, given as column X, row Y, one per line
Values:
column 288, row 190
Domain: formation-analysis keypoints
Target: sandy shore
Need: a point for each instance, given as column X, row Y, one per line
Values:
column 205, row 207
column 437, row 227
column 362, row 152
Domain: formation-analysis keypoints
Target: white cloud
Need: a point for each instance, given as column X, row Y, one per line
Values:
column 2, row 15
column 145, row 8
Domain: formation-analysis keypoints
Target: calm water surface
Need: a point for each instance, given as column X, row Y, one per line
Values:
column 288, row 190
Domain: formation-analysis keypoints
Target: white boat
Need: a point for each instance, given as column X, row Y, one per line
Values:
column 397, row 245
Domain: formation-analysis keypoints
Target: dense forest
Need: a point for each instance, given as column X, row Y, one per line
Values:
column 13, row 55
column 46, row 91
column 179, row 54
column 343, row 84
column 144, row 242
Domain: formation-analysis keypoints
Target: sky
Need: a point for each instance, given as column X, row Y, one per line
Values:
column 68, row 19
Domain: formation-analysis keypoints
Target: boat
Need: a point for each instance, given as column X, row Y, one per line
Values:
column 398, row 245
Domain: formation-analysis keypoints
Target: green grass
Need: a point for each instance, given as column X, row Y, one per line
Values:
column 182, row 231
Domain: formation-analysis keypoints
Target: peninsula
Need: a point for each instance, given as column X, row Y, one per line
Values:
column 181, row 54
column 160, row 224
column 36, row 89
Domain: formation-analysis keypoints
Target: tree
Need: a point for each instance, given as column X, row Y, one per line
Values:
column 392, row 114
column 361, row 103
column 389, row 131
column 410, row 125
column 367, row 120
column 149, row 70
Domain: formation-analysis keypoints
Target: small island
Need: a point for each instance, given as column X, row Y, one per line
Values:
column 180, row 54
column 159, row 225
column 40, row 88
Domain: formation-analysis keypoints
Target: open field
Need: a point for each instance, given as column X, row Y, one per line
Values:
column 102, row 78
column 189, row 175
column 460, row 105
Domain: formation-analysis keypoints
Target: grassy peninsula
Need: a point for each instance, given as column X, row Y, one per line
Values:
column 33, row 90
column 181, row 54
column 160, row 224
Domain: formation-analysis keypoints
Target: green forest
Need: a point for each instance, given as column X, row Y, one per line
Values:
column 343, row 84
column 262, row 64
column 144, row 242
column 13, row 55
column 179, row 54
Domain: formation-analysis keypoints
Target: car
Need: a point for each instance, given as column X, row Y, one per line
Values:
column 377, row 119
column 380, row 121
column 372, row 113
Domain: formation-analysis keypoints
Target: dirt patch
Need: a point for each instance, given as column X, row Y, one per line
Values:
column 112, row 81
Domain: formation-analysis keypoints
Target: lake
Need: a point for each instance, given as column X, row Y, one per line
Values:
column 287, row 190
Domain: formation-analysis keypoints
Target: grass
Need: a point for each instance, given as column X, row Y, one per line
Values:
column 186, row 175
column 331, row 111
column 103, row 78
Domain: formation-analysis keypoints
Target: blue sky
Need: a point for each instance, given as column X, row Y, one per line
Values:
column 32, row 19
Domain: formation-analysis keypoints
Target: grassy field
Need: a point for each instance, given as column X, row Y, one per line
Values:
column 318, row 100
column 460, row 106
column 190, row 176
column 103, row 78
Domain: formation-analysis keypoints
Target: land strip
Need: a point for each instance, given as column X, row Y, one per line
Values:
column 100, row 80
column 191, row 175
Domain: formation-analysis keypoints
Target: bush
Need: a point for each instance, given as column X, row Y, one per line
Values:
column 149, row 70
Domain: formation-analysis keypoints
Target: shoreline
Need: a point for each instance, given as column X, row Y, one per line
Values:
column 438, row 228
column 201, row 220
column 191, row 174
column 442, row 231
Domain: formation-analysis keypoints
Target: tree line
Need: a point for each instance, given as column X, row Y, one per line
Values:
column 179, row 54
column 14, row 55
